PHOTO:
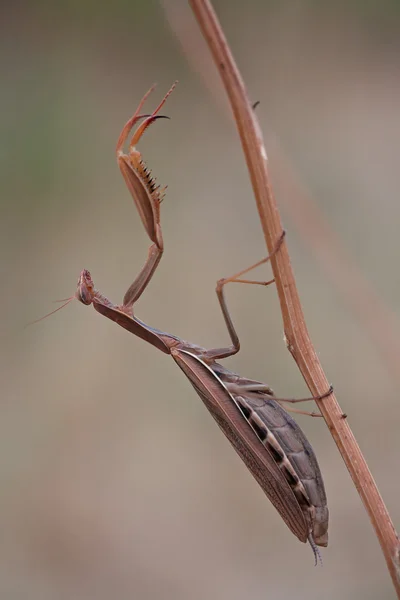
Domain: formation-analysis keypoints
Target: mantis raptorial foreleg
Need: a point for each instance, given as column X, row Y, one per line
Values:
column 145, row 193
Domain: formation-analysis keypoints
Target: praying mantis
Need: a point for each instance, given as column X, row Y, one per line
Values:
column 265, row 436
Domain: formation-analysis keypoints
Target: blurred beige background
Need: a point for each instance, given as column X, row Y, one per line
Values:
column 114, row 480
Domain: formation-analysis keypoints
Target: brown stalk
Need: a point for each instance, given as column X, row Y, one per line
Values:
column 297, row 338
column 375, row 317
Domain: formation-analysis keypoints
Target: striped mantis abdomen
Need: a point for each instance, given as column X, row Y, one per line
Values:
column 270, row 443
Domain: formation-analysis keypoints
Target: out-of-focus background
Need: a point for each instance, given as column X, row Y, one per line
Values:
column 114, row 480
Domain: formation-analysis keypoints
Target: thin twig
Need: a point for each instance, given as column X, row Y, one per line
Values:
column 296, row 334
column 368, row 307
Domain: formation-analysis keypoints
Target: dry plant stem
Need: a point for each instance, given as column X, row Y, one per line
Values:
column 369, row 308
column 296, row 334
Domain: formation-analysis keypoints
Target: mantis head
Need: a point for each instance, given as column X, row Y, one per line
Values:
column 85, row 291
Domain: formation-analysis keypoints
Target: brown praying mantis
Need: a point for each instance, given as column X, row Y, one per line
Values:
column 269, row 441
